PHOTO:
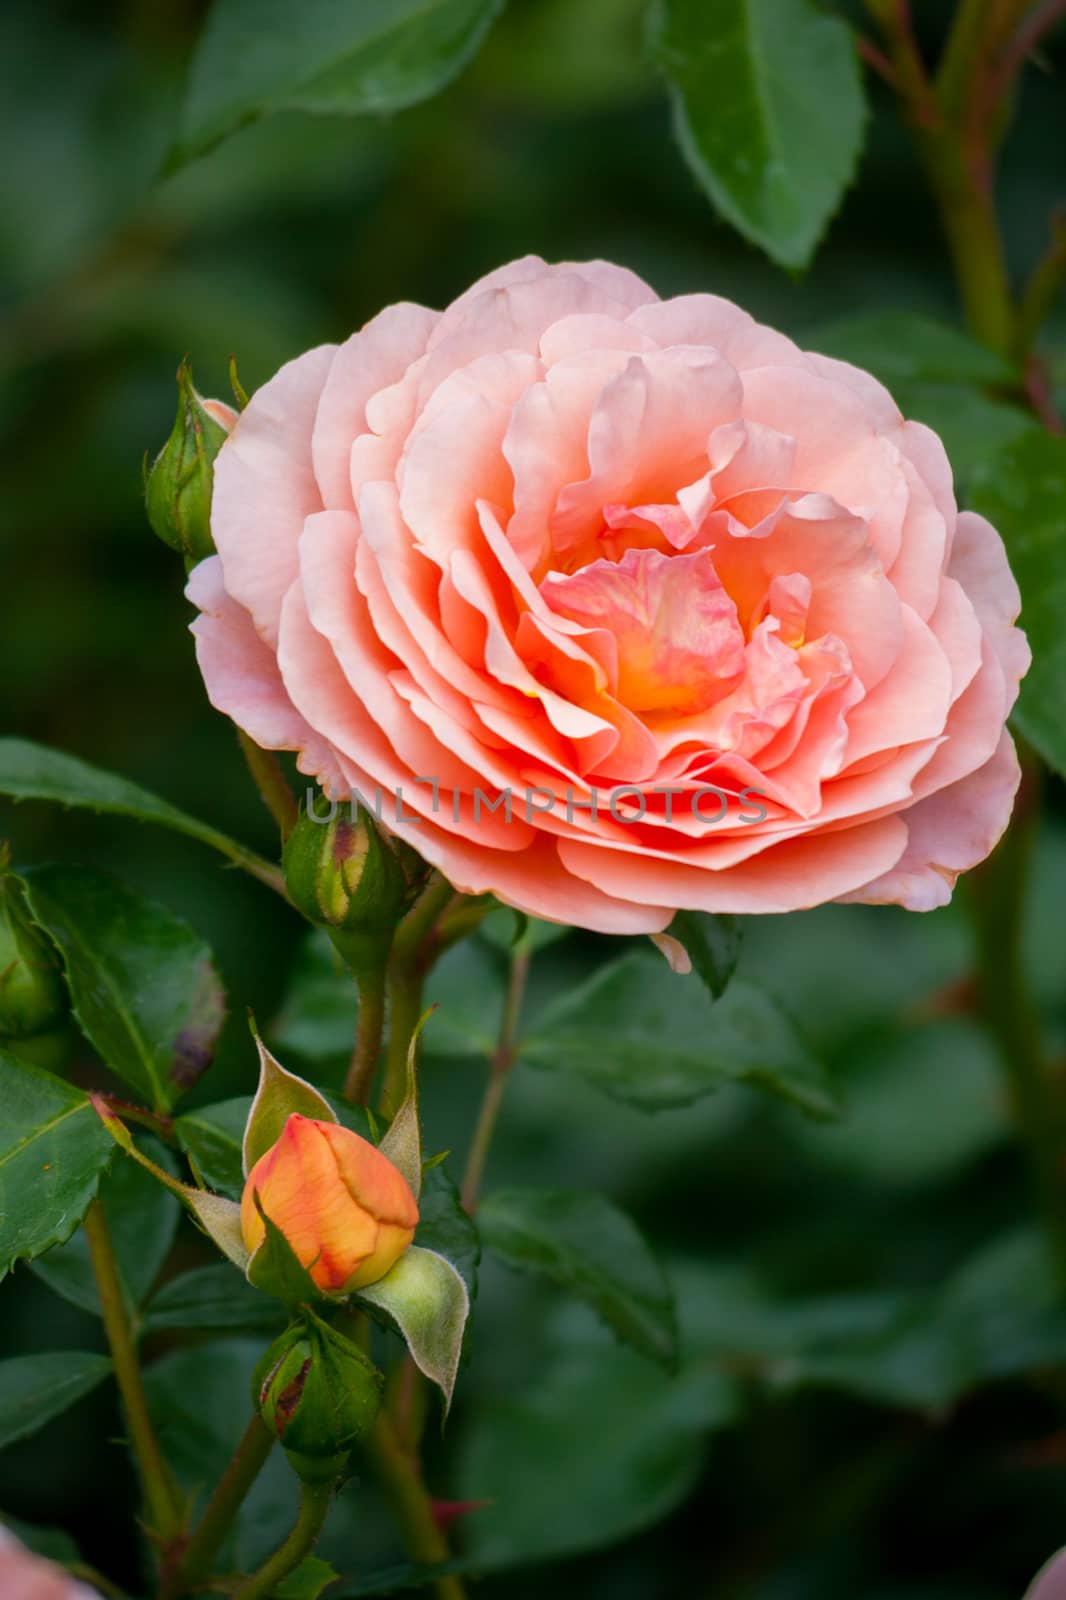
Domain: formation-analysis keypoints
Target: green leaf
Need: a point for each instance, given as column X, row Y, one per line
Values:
column 971, row 426
column 143, row 985
column 712, row 944
column 324, row 56
column 274, row 1267
column 280, row 1094
column 142, row 1219
column 998, row 1315
column 200, row 1399
column 511, row 930
column 467, row 987
column 645, row 1035
column 426, row 1298
column 34, row 1389
column 31, row 771
column 769, row 111
column 446, row 1227
column 307, row 1581
column 1022, row 491
column 584, row 1243
column 53, row 1150
column 631, row 1436
column 319, row 1013
column 212, row 1297
column 393, row 1580
column 906, row 346
column 52, row 1543
column 211, row 1138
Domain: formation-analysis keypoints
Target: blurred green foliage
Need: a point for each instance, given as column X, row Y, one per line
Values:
column 871, row 1400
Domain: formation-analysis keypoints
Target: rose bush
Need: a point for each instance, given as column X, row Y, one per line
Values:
column 695, row 607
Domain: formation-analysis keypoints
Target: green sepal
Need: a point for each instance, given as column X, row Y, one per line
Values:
column 274, row 1267
column 219, row 1218
column 317, row 1393
column 402, row 1142
column 33, row 996
column 426, row 1299
column 280, row 1095
column 180, row 482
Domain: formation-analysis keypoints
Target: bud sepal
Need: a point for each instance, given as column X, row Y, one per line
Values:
column 427, row 1302
column 179, row 484
column 343, row 874
column 317, row 1393
column 33, row 996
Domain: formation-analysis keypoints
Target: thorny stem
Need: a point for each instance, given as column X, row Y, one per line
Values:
column 399, row 1475
column 272, row 784
column 161, row 1499
column 314, row 1504
column 245, row 1466
column 499, row 1069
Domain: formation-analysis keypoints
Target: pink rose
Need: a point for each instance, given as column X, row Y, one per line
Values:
column 24, row 1576
column 1050, row 1581
column 568, row 544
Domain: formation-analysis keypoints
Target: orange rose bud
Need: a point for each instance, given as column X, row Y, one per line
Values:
column 346, row 1212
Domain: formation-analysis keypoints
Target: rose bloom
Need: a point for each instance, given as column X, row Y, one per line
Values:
column 346, row 1212
column 568, row 545
column 25, row 1576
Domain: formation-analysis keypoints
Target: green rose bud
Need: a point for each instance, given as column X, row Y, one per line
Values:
column 177, row 488
column 345, row 877
column 33, row 996
column 317, row 1393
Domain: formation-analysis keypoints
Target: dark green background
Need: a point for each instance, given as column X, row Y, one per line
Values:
column 557, row 140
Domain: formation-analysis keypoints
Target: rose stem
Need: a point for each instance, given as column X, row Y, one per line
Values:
column 314, row 1504
column 398, row 1473
column 272, row 784
column 414, row 950
column 996, row 893
column 958, row 124
column 500, row 1064
column 245, row 1466
column 161, row 1497
column 363, row 1065
column 412, row 956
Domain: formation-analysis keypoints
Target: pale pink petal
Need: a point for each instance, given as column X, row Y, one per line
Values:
column 979, row 563
column 789, row 877
column 911, row 702
column 695, row 319
column 948, row 833
column 680, row 646
column 373, row 358
column 264, row 487
column 647, row 437
column 241, row 674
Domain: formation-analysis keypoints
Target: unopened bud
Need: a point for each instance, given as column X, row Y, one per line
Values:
column 317, row 1393
column 178, row 486
column 345, row 876
column 346, row 1212
column 33, row 996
